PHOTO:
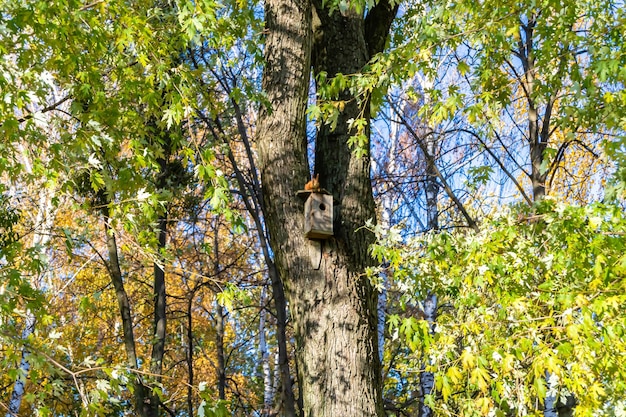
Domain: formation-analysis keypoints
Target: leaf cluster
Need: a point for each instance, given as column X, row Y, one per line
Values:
column 530, row 306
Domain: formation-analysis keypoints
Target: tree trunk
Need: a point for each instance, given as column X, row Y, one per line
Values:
column 427, row 378
column 115, row 272
column 220, row 319
column 189, row 358
column 333, row 305
column 41, row 237
column 160, row 295
column 431, row 187
column 19, row 387
column 287, row 396
column 159, row 323
column 538, row 136
column 268, row 394
column 281, row 136
column 221, row 356
column 251, row 194
column 537, row 148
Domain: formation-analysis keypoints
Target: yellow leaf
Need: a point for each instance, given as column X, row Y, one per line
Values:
column 468, row 359
column 508, row 362
column 480, row 378
column 454, row 374
column 484, row 405
column 572, row 332
column 446, row 389
column 597, row 391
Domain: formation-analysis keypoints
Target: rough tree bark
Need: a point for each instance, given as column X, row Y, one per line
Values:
column 332, row 304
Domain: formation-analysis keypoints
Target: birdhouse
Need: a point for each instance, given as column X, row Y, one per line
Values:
column 318, row 216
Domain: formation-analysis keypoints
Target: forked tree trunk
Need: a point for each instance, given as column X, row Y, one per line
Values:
column 332, row 304
column 539, row 132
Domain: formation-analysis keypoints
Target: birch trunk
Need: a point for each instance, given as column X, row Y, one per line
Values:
column 43, row 227
column 268, row 397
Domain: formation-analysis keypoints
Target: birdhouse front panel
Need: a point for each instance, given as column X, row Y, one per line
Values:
column 318, row 216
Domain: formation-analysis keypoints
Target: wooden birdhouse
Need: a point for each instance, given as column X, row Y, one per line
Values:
column 318, row 215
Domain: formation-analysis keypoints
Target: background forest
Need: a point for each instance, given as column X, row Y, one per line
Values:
column 145, row 268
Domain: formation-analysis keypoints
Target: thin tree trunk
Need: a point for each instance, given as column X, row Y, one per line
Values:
column 221, row 357
column 431, row 188
column 280, row 303
column 278, row 292
column 19, row 387
column 277, row 374
column 115, row 272
column 268, row 399
column 160, row 319
column 388, row 201
column 538, row 136
column 537, row 140
column 190, row 376
column 166, row 179
column 253, row 201
column 220, row 320
column 427, row 378
column 381, row 311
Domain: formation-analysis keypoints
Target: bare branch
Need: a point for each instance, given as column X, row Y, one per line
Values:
column 470, row 221
column 44, row 110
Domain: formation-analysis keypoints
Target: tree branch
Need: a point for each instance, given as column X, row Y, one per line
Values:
column 498, row 161
column 470, row 221
column 53, row 106
column 377, row 24
column 560, row 154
